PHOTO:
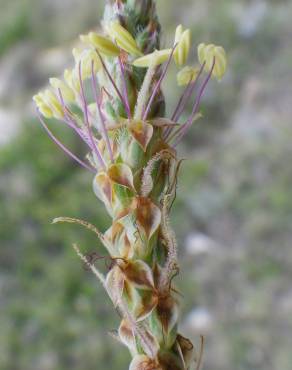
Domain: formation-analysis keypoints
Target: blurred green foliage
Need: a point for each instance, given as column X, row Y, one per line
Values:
column 52, row 303
column 14, row 23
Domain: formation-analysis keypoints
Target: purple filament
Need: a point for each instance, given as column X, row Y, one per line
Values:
column 62, row 146
column 105, row 134
column 158, row 84
column 186, row 95
column 72, row 123
column 125, row 90
column 183, row 101
column 85, row 111
column 112, row 81
column 183, row 129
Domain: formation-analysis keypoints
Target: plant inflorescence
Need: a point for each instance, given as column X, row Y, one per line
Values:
column 112, row 99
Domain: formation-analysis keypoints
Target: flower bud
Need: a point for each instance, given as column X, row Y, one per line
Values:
column 67, row 93
column 123, row 38
column 154, row 59
column 207, row 53
column 186, row 75
column 183, row 45
column 103, row 44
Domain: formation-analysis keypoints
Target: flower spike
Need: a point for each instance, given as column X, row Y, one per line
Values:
column 132, row 154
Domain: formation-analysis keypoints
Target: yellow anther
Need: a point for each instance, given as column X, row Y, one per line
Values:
column 103, row 44
column 186, row 75
column 72, row 79
column 44, row 109
column 52, row 102
column 156, row 58
column 85, row 39
column 207, row 53
column 123, row 38
column 67, row 93
column 86, row 58
column 37, row 99
column 76, row 54
column 183, row 44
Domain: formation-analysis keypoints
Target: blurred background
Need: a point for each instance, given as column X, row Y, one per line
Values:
column 233, row 213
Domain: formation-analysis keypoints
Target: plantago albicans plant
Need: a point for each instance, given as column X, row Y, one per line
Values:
column 112, row 99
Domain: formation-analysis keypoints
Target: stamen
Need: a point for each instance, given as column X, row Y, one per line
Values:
column 158, row 84
column 183, row 129
column 72, row 123
column 186, row 95
column 62, row 146
column 85, row 112
column 112, row 81
column 105, row 134
column 183, row 101
column 125, row 90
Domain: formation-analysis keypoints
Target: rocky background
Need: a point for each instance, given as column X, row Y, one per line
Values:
column 233, row 214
